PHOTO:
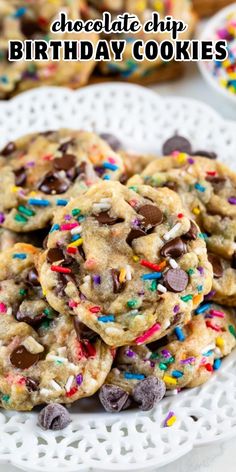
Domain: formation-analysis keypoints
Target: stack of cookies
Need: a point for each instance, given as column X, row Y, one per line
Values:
column 109, row 281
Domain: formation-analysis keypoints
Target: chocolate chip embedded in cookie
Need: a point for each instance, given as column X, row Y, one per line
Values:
column 115, row 268
column 41, row 172
column 44, row 356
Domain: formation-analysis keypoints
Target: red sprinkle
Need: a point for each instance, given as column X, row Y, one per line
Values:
column 71, row 250
column 213, row 326
column 95, row 309
column 208, row 367
column 211, row 172
column 68, row 226
column 71, row 392
column 150, row 265
column 88, row 349
column 180, row 215
column 48, row 157
column 62, row 270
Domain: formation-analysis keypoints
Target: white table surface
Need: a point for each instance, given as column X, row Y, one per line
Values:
column 219, row 456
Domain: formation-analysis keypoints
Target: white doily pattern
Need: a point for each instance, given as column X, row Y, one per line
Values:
column 131, row 440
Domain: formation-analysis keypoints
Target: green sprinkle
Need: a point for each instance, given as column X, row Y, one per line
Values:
column 45, row 324
column 76, row 212
column 26, row 211
column 190, row 271
column 48, row 312
column 58, row 362
column 203, row 235
column 163, row 366
column 22, row 292
column 187, row 298
column 232, row 330
column 170, row 360
column 20, row 218
column 199, row 288
column 132, row 303
column 153, row 286
column 134, row 187
column 6, row 398
column 154, row 355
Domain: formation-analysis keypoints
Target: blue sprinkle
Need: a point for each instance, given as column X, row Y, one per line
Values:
column 4, row 79
column 179, row 333
column 177, row 374
column 203, row 235
column 19, row 256
column 81, row 218
column 75, row 237
column 108, row 165
column 202, row 308
column 217, row 364
column 106, row 319
column 61, row 202
column 208, row 353
column 129, row 376
column 199, row 288
column 20, row 12
column 199, row 187
column 153, row 275
column 37, row 202
column 106, row 177
column 55, row 227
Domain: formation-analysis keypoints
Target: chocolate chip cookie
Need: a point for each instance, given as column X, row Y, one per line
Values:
column 129, row 265
column 44, row 356
column 42, row 171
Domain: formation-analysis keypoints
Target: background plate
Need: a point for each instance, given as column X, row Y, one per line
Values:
column 131, row 440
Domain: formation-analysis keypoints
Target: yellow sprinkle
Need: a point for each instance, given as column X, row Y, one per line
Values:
column 181, row 158
column 141, row 5
column 169, row 380
column 76, row 243
column 19, row 388
column 171, row 421
column 197, row 299
column 32, row 194
column 122, row 275
column 220, row 342
column 135, row 258
column 44, row 292
column 159, row 6
column 15, row 189
column 196, row 211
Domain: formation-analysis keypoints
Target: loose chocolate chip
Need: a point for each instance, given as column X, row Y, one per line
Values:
column 153, row 216
column 20, row 176
column 176, row 143
column 176, row 280
column 192, row 232
column 216, row 265
column 118, row 286
column 30, row 319
column 54, row 417
column 134, row 234
column 194, row 418
column 52, row 183
column 105, row 219
column 174, row 248
column 23, row 359
column 82, row 331
column 55, row 254
column 112, row 141
column 32, row 385
column 8, row 149
column 208, row 154
column 149, row 391
column 113, row 398
column 66, row 162
column 33, row 278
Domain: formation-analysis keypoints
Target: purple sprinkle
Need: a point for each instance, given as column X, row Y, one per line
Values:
column 210, row 294
column 201, row 270
column 189, row 360
column 176, row 309
column 191, row 160
column 166, row 353
column 169, row 416
column 30, row 164
column 232, row 200
column 79, row 379
column 2, row 218
column 129, row 353
column 136, row 223
column 96, row 279
column 152, row 364
column 67, row 217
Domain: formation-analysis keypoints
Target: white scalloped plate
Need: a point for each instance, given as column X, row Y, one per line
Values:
column 131, row 440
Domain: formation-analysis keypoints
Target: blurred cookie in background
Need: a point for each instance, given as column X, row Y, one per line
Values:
column 209, row 7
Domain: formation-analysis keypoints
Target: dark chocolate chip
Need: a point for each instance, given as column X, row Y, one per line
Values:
column 105, row 219
column 66, row 162
column 100, row 171
column 216, row 265
column 113, row 398
column 118, row 286
column 20, row 176
column 30, row 28
column 194, row 418
column 8, row 149
column 172, row 186
column 64, row 146
column 192, row 233
column 176, row 280
column 134, row 234
column 82, row 331
column 82, row 253
column 123, row 178
column 148, row 392
column 55, row 254
column 23, row 359
column 33, row 278
column 52, row 183
column 155, row 345
column 30, row 319
column 153, row 216
column 216, row 182
column 176, row 143
column 208, row 154
column 32, row 385
column 112, row 140
column 54, row 417
column 174, row 248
